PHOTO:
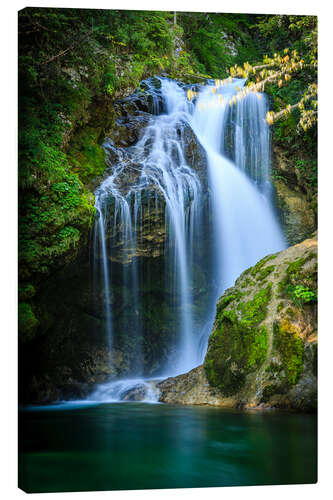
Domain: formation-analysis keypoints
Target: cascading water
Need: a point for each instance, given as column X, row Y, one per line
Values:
column 245, row 226
column 136, row 389
column 155, row 172
column 160, row 174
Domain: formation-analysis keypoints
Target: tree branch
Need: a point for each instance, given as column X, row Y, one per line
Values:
column 65, row 51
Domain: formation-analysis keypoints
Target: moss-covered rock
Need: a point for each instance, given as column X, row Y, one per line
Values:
column 291, row 349
column 238, row 344
column 262, row 352
column 264, row 335
column 192, row 388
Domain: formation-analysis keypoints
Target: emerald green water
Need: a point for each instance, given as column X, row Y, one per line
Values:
column 136, row 445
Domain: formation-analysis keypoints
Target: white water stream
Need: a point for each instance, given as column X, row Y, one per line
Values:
column 246, row 228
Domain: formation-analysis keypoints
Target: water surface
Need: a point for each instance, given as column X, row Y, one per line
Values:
column 137, row 445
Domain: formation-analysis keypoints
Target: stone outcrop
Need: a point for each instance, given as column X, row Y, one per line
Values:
column 262, row 352
column 192, row 388
column 297, row 217
column 295, row 206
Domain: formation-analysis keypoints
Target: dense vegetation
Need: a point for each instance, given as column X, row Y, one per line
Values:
column 73, row 63
column 296, row 132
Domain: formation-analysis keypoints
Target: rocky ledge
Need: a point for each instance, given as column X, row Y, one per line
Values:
column 262, row 352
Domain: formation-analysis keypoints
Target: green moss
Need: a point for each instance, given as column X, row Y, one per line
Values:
column 299, row 284
column 280, row 306
column 254, row 311
column 258, row 349
column 247, row 282
column 265, row 272
column 238, row 344
column 225, row 300
column 54, row 215
column 273, row 368
column 281, row 286
column 26, row 291
column 27, row 321
column 258, row 267
column 291, row 349
column 295, row 267
column 86, row 155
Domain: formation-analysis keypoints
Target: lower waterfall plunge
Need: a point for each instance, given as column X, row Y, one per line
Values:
column 233, row 208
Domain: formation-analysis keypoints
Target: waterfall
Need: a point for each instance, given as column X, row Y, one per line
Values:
column 153, row 174
column 160, row 174
column 245, row 226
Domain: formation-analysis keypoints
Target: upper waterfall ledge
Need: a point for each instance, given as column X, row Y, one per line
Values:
column 262, row 352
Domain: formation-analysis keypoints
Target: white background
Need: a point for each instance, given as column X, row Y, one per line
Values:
column 8, row 242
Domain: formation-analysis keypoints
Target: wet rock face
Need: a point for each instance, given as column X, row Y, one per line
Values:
column 134, row 114
column 137, row 393
column 147, row 98
column 129, row 129
column 297, row 215
column 262, row 352
column 195, row 155
column 70, row 355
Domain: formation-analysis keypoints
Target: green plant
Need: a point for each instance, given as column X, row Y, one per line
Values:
column 304, row 294
column 299, row 284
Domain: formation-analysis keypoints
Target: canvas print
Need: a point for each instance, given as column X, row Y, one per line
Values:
column 167, row 249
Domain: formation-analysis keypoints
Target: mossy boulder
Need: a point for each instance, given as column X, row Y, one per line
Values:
column 265, row 331
column 262, row 352
column 238, row 345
